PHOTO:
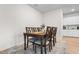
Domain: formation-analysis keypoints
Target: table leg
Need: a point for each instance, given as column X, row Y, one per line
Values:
column 24, row 42
column 27, row 41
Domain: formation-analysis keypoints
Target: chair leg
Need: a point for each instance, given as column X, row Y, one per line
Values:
column 41, row 47
column 45, row 50
column 53, row 42
column 35, row 49
column 49, row 47
column 41, row 50
column 33, row 46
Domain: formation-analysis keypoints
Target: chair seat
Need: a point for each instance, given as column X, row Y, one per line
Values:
column 37, row 41
column 33, row 39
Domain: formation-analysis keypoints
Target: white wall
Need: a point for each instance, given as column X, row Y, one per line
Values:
column 71, row 20
column 27, row 16
column 13, row 20
column 55, row 18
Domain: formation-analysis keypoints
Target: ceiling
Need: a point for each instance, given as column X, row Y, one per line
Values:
column 67, row 8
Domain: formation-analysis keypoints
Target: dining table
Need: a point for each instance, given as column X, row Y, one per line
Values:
column 40, row 35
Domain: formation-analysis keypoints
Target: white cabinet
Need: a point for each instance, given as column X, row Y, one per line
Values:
column 73, row 28
column 74, row 33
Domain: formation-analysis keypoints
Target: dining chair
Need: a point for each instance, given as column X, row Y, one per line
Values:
column 54, row 32
column 32, row 39
column 28, row 30
column 45, row 41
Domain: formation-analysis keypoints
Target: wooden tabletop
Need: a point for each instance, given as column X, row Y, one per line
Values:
column 35, row 33
column 38, row 33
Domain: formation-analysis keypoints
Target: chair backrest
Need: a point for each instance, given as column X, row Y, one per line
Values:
column 28, row 30
column 33, row 29
column 48, row 32
column 39, row 29
column 54, row 31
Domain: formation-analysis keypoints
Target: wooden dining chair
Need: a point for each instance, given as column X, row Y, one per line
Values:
column 53, row 31
column 28, row 30
column 45, row 41
column 31, row 39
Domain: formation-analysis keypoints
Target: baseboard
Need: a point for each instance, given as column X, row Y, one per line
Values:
column 71, row 36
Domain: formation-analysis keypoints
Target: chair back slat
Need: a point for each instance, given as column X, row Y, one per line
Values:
column 54, row 31
column 33, row 29
column 48, row 32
